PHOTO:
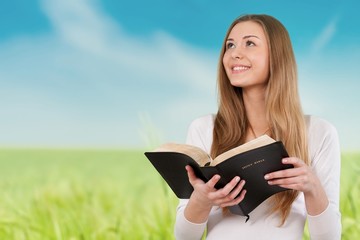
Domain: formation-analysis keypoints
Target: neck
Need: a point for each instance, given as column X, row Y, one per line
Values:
column 256, row 135
column 256, row 113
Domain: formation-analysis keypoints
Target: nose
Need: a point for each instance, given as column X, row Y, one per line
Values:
column 237, row 53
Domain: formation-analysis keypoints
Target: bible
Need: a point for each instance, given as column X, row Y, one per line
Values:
column 250, row 161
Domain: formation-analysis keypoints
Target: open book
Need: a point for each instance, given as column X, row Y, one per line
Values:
column 250, row 161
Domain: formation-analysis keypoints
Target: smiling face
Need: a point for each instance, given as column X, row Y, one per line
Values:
column 246, row 57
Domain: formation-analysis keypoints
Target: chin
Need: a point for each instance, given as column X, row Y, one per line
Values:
column 237, row 83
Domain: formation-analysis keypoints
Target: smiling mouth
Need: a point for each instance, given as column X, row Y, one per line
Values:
column 240, row 68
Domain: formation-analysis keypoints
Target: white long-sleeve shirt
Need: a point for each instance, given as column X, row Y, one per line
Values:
column 325, row 161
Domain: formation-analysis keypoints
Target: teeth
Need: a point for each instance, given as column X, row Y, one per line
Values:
column 239, row 68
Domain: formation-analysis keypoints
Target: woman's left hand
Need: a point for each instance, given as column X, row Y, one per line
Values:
column 300, row 178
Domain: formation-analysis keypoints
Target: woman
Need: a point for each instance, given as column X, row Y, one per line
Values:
column 258, row 94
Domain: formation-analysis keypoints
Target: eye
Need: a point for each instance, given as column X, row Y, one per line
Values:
column 230, row 45
column 250, row 43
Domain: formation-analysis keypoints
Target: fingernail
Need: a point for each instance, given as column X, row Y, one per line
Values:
column 266, row 176
column 270, row 182
column 285, row 160
column 237, row 179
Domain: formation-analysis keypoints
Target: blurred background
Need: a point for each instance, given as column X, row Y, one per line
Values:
column 87, row 85
column 102, row 73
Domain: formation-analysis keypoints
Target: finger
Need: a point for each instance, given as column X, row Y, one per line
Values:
column 231, row 185
column 287, row 173
column 212, row 182
column 287, row 181
column 224, row 192
column 241, row 196
column 235, row 201
column 191, row 174
column 235, row 192
column 297, row 162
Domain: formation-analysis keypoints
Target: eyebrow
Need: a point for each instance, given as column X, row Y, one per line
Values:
column 245, row 37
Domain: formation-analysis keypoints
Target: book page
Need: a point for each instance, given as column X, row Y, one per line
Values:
column 255, row 143
column 196, row 153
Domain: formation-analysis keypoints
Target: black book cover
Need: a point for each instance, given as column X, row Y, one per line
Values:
column 251, row 166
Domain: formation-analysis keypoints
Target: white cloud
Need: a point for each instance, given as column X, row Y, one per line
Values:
column 334, row 97
column 329, row 83
column 325, row 36
column 86, row 82
column 83, row 26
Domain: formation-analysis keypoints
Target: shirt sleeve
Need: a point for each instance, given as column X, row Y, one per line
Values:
column 184, row 229
column 326, row 163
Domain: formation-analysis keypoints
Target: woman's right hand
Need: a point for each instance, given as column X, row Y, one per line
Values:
column 205, row 196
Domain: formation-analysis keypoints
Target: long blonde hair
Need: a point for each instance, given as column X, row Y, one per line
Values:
column 283, row 108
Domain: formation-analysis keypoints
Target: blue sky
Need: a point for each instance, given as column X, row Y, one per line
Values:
column 134, row 74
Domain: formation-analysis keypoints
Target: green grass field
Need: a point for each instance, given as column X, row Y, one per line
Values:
column 107, row 194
